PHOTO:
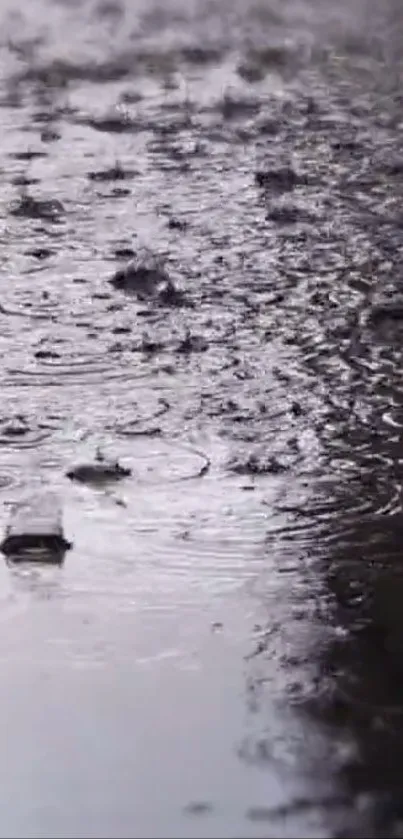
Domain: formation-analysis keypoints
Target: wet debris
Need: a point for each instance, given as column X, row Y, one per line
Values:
column 294, row 445
column 154, row 431
column 147, row 278
column 114, row 173
column 191, row 344
column 176, row 224
column 255, row 464
column 167, row 368
column 170, row 295
column 115, row 123
column 16, row 427
column 285, row 214
column 46, row 355
column 39, row 253
column 121, row 330
column 281, row 179
column 346, row 144
column 296, row 409
column 125, row 253
column 99, row 471
column 24, row 180
column 35, row 530
column 119, row 192
column 149, row 346
column 27, row 155
column 289, row 212
column 35, row 208
column 117, row 347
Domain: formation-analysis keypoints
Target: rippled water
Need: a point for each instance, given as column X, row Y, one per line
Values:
column 219, row 655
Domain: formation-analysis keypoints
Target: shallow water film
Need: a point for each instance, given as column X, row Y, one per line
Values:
column 201, row 323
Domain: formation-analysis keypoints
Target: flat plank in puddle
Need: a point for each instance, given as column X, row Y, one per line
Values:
column 35, row 530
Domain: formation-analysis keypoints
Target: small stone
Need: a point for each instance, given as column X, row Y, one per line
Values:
column 39, row 253
column 115, row 173
column 255, row 465
column 46, row 354
column 99, row 472
column 148, row 279
column 176, row 224
column 296, row 409
column 280, row 180
column 125, row 253
column 30, row 207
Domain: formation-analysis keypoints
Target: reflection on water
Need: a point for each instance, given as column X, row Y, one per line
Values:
column 359, row 696
column 361, row 667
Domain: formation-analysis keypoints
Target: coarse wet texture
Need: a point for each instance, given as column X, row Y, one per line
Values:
column 221, row 653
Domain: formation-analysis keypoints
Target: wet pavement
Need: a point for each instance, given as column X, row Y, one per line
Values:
column 201, row 258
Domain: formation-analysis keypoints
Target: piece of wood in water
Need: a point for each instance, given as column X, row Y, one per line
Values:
column 35, row 530
column 102, row 471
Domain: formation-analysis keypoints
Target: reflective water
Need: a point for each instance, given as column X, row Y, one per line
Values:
column 219, row 655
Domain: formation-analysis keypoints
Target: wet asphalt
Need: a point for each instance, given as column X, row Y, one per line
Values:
column 201, row 266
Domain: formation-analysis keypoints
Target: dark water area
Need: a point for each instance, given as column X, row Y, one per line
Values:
column 201, row 322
